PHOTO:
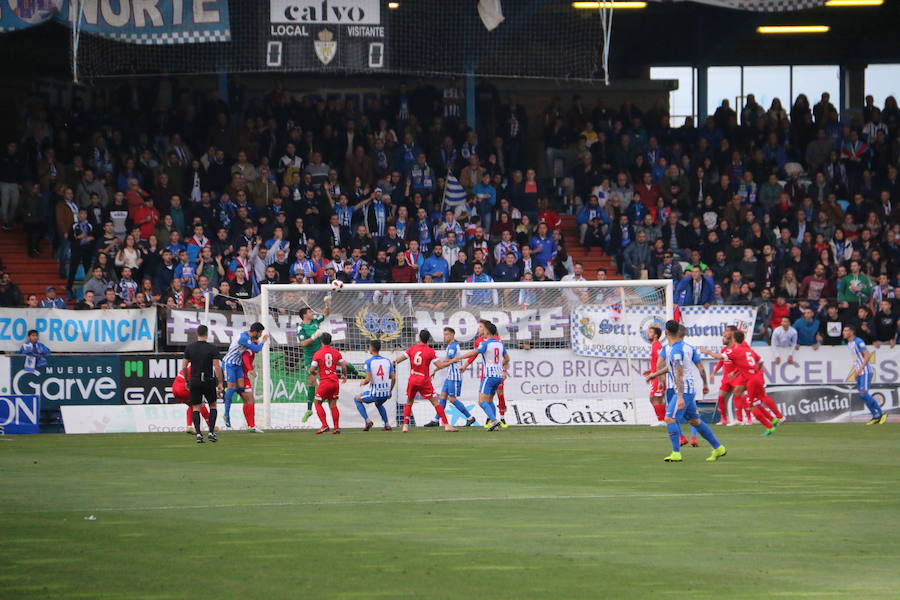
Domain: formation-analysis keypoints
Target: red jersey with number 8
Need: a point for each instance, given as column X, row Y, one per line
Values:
column 327, row 359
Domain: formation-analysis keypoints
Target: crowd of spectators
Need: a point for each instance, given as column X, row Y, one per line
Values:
column 165, row 195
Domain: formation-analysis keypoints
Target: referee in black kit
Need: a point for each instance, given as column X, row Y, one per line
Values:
column 206, row 379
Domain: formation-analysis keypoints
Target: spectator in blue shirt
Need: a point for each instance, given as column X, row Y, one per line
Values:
column 695, row 289
column 807, row 327
column 436, row 266
column 589, row 212
column 51, row 300
column 542, row 245
column 487, row 200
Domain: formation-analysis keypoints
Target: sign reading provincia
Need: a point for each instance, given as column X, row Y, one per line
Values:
column 149, row 22
column 612, row 330
column 61, row 330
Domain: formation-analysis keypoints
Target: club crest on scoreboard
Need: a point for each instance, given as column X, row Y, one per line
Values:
column 325, row 46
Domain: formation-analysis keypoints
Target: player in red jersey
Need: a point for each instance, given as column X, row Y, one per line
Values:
column 501, row 394
column 732, row 383
column 420, row 357
column 749, row 365
column 249, row 402
column 325, row 363
column 183, row 394
column 657, row 387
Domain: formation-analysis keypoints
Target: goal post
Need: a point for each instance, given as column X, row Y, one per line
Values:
column 580, row 344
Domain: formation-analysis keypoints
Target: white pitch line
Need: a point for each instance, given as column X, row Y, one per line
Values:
column 833, row 493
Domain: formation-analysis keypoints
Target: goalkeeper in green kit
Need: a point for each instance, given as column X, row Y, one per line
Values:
column 308, row 336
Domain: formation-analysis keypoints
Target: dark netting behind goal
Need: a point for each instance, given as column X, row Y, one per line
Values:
column 536, row 39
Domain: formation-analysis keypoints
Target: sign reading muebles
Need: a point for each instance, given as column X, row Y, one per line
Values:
column 126, row 330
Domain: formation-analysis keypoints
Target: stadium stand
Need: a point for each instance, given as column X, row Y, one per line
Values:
column 757, row 200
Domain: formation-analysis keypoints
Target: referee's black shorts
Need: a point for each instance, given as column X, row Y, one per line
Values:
column 202, row 390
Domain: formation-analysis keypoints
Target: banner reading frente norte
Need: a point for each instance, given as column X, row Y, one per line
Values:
column 61, row 330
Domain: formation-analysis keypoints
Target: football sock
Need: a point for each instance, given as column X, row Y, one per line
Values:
column 501, row 402
column 383, row 412
column 693, row 432
column 407, row 411
column 442, row 415
column 707, row 433
column 443, row 403
column 310, row 394
column 722, row 408
column 762, row 417
column 213, row 414
column 773, row 408
column 320, row 411
column 675, row 436
column 739, row 404
column 229, row 394
column 250, row 414
column 361, row 408
column 489, row 410
column 462, row 408
column 871, row 404
column 190, row 416
column 196, row 418
column 204, row 412
column 336, row 416
column 660, row 410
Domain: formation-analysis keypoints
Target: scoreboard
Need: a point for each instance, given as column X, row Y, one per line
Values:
column 326, row 35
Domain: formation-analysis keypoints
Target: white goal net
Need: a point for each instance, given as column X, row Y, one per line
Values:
column 578, row 349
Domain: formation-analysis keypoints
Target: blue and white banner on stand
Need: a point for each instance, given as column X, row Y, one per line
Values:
column 20, row 414
column 119, row 330
column 146, row 22
column 617, row 331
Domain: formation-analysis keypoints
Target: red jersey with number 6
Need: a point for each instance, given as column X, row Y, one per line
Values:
column 326, row 360
column 420, row 357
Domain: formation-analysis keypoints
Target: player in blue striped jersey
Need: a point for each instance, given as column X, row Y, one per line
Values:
column 381, row 378
column 681, row 390
column 862, row 368
column 453, row 383
column 233, row 363
column 496, row 362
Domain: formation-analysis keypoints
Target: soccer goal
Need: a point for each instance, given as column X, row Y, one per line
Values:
column 578, row 348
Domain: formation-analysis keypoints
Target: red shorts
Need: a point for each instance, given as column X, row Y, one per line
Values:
column 731, row 382
column 180, row 391
column 328, row 390
column 756, row 386
column 421, row 386
column 656, row 388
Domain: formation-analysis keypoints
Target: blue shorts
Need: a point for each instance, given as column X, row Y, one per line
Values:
column 687, row 413
column 233, row 372
column 489, row 385
column 367, row 397
column 452, row 388
column 864, row 381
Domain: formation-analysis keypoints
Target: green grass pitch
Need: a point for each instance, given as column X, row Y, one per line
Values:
column 588, row 512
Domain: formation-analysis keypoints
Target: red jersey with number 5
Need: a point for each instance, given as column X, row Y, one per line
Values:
column 420, row 357
column 743, row 359
column 327, row 359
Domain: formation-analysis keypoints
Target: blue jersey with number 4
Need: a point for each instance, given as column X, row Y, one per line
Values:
column 379, row 369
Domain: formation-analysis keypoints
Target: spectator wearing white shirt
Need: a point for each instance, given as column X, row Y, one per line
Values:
column 784, row 341
column 575, row 296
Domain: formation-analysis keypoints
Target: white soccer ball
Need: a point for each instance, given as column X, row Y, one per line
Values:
column 337, row 284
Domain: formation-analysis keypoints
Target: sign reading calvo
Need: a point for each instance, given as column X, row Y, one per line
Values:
column 337, row 12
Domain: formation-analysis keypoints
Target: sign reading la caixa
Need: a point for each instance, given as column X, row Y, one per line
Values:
column 153, row 22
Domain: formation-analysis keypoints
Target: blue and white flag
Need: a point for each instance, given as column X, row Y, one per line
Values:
column 454, row 192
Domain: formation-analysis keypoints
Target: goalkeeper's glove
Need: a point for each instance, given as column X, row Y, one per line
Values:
column 316, row 335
